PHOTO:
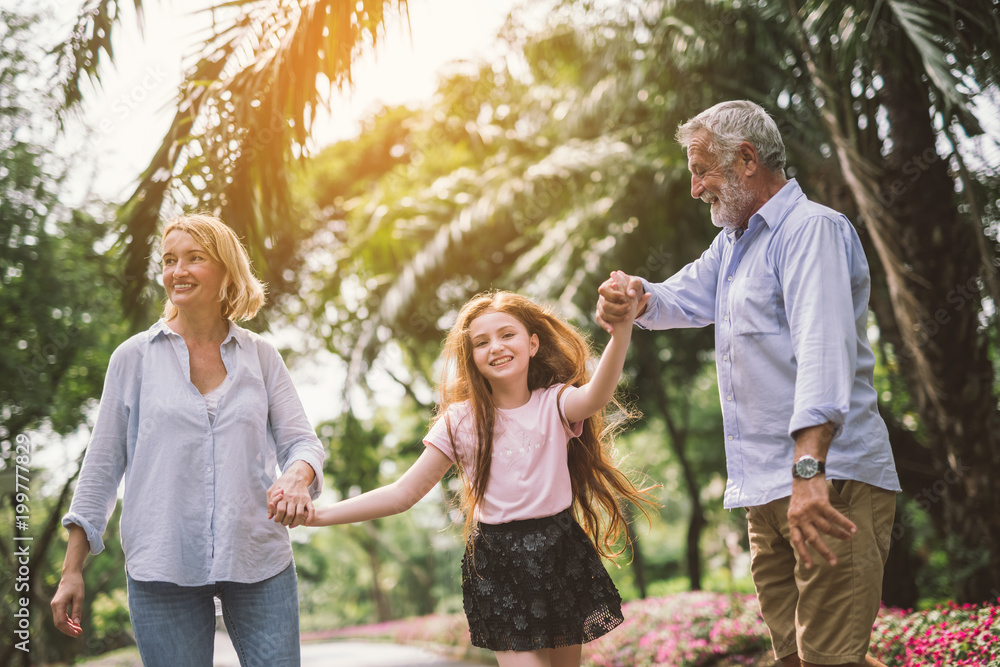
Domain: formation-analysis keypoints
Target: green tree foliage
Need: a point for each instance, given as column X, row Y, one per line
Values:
column 388, row 568
column 887, row 92
column 105, row 610
column 59, row 322
column 57, row 303
column 244, row 115
column 60, row 315
column 542, row 172
column 529, row 180
column 418, row 568
column 538, row 176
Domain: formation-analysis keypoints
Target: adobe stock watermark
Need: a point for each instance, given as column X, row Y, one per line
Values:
column 427, row 317
column 539, row 204
column 277, row 126
column 46, row 356
column 927, row 328
column 929, row 495
column 152, row 79
column 22, row 543
column 50, row 350
column 912, row 169
column 656, row 262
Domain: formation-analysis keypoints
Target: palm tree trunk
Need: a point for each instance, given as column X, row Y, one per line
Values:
column 952, row 378
column 932, row 265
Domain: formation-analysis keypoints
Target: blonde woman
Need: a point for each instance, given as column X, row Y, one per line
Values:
column 198, row 414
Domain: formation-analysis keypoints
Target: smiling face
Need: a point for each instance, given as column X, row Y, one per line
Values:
column 718, row 184
column 193, row 279
column 502, row 348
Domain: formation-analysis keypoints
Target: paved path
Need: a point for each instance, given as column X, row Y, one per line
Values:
column 348, row 654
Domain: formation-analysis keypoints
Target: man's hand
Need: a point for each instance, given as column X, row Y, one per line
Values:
column 616, row 304
column 810, row 514
column 288, row 499
column 68, row 603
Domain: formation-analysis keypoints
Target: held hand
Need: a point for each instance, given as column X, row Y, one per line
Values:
column 810, row 514
column 67, row 604
column 274, row 494
column 621, row 300
column 289, row 502
column 633, row 298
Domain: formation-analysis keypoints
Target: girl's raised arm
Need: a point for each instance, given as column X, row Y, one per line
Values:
column 387, row 500
column 594, row 395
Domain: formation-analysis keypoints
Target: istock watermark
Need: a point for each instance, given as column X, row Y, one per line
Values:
column 22, row 543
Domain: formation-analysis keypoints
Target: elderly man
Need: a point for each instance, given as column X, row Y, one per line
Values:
column 786, row 284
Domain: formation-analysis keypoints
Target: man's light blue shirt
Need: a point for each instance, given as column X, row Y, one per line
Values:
column 789, row 300
column 195, row 507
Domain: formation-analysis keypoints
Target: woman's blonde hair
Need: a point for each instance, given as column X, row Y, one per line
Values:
column 242, row 294
column 598, row 485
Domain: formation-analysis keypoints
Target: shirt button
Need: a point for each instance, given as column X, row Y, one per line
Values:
column 729, row 397
column 725, row 357
column 726, row 318
column 730, row 279
column 729, row 437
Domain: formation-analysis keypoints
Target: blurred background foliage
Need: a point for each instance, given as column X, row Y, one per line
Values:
column 539, row 172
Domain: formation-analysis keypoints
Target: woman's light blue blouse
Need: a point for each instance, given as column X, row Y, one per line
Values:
column 195, row 507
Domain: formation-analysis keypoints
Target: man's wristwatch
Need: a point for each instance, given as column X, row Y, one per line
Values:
column 807, row 467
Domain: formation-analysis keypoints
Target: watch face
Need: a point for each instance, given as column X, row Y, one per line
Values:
column 807, row 467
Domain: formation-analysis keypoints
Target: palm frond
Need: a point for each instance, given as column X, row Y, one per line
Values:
column 244, row 116
column 922, row 26
column 79, row 56
column 494, row 225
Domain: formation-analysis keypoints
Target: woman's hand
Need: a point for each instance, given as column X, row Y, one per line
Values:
column 288, row 499
column 68, row 603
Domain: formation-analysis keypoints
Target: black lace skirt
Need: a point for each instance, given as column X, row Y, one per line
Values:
column 537, row 584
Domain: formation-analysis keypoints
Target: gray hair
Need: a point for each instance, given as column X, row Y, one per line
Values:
column 731, row 123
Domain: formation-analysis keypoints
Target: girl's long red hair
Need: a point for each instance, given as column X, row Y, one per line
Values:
column 562, row 357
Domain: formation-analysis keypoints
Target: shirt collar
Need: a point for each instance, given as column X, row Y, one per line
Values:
column 772, row 213
column 160, row 328
column 775, row 210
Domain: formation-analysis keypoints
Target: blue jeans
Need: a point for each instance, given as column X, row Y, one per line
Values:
column 175, row 625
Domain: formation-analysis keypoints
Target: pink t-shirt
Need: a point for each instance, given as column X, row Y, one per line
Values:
column 529, row 476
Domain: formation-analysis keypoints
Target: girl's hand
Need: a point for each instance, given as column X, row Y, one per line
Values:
column 621, row 300
column 274, row 494
column 621, row 284
column 272, row 508
column 289, row 502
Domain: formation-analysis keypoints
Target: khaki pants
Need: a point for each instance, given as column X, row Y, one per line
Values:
column 824, row 613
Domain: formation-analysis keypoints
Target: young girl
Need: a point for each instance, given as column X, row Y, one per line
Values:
column 524, row 425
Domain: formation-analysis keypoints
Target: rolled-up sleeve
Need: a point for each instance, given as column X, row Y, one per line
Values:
column 294, row 437
column 816, row 285
column 686, row 299
column 104, row 463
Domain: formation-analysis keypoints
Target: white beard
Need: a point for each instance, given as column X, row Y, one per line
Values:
column 733, row 205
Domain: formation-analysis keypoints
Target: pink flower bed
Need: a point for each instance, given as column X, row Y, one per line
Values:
column 697, row 628
column 725, row 630
column 945, row 636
